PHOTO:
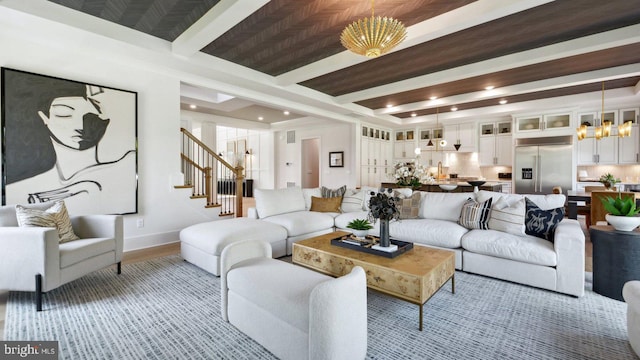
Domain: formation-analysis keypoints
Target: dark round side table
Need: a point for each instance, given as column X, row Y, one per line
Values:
column 616, row 259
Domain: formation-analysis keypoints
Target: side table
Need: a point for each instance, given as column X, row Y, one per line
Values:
column 615, row 259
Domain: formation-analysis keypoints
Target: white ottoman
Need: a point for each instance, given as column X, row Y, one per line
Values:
column 201, row 244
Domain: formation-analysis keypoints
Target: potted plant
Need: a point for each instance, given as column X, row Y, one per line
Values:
column 621, row 212
column 360, row 227
column 608, row 180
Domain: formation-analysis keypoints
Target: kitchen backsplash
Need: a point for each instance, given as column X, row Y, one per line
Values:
column 466, row 165
column 626, row 173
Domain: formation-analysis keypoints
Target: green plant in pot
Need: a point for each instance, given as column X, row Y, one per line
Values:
column 608, row 180
column 360, row 227
column 621, row 212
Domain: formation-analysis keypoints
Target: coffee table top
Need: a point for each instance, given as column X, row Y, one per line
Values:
column 418, row 261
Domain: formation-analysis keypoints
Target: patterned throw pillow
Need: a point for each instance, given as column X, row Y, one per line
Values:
column 55, row 216
column 508, row 218
column 352, row 201
column 475, row 215
column 329, row 193
column 408, row 206
column 331, row 204
column 542, row 223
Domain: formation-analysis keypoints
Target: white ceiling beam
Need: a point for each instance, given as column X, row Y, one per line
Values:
column 637, row 88
column 222, row 17
column 534, row 86
column 471, row 15
column 619, row 37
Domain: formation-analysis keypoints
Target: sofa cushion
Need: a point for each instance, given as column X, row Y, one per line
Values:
column 506, row 217
column 268, row 285
column 528, row 249
column 475, row 215
column 545, row 202
column 307, row 193
column 408, row 206
column 302, row 222
column 542, row 223
column 443, row 206
column 74, row 252
column 329, row 193
column 352, row 200
column 331, row 204
column 280, row 201
column 367, row 196
column 441, row 233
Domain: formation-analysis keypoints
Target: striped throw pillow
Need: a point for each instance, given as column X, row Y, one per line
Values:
column 508, row 218
column 55, row 216
column 329, row 193
column 475, row 215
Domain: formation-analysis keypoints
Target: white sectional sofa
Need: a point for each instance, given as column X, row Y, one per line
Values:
column 556, row 265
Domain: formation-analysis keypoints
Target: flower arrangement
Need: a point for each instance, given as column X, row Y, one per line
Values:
column 410, row 174
column 383, row 206
column 609, row 180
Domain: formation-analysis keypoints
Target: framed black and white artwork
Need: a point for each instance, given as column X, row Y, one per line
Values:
column 336, row 159
column 68, row 140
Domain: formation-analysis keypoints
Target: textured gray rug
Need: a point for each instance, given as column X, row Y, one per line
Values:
column 169, row 309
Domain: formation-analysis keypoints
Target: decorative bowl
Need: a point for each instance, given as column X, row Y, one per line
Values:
column 448, row 187
column 476, row 182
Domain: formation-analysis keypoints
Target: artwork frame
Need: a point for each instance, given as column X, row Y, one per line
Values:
column 336, row 159
column 68, row 140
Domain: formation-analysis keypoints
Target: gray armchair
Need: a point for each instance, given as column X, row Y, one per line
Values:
column 34, row 260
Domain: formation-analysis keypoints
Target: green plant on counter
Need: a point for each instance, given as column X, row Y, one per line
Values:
column 609, row 180
column 359, row 224
column 620, row 207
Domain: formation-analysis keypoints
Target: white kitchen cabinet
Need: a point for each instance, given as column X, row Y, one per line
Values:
column 543, row 123
column 629, row 115
column 629, row 147
column 375, row 156
column 465, row 132
column 600, row 152
column 495, row 144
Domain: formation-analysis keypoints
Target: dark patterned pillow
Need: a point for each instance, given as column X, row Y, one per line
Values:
column 329, row 193
column 541, row 223
column 475, row 215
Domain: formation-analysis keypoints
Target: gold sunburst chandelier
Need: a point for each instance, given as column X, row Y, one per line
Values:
column 373, row 36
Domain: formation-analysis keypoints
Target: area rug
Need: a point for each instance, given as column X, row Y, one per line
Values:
column 167, row 308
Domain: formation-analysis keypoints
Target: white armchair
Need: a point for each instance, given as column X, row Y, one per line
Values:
column 34, row 260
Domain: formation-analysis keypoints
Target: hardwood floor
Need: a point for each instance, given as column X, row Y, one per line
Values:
column 130, row 257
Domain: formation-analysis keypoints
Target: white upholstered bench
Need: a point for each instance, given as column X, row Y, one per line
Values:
column 294, row 312
column 201, row 244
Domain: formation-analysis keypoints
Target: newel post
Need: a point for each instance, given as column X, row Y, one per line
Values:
column 239, row 189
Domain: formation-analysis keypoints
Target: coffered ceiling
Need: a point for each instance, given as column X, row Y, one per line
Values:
column 468, row 54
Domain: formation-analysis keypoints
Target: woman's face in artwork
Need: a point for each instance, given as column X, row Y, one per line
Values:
column 76, row 122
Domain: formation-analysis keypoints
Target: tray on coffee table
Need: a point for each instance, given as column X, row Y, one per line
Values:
column 350, row 242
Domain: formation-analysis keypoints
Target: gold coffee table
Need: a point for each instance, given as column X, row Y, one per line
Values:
column 413, row 276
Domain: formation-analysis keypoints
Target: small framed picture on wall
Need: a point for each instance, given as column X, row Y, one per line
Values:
column 336, row 159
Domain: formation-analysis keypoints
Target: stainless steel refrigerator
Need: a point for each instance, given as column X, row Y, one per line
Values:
column 543, row 163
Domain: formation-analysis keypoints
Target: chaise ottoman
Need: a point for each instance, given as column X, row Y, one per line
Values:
column 201, row 244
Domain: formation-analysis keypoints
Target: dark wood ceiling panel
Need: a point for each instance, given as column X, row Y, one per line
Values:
column 540, row 26
column 622, row 55
column 284, row 35
column 571, row 90
column 166, row 19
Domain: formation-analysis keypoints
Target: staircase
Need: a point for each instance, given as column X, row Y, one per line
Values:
column 211, row 177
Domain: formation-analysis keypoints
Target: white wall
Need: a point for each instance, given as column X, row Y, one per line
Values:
column 39, row 46
column 333, row 137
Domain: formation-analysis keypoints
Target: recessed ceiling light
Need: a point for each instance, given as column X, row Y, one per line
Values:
column 192, row 106
column 414, row 114
column 453, row 108
column 433, row 97
column 260, row 118
column 389, row 105
column 490, row 87
column 503, row 101
column 286, row 112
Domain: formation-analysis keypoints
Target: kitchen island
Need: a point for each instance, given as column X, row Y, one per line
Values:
column 463, row 186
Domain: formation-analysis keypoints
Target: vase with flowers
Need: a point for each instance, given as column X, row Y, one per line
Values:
column 383, row 207
column 410, row 174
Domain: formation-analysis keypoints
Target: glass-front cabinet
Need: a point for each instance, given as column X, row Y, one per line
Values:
column 495, row 145
column 375, row 155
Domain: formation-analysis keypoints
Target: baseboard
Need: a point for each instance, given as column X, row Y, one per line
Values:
column 151, row 240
